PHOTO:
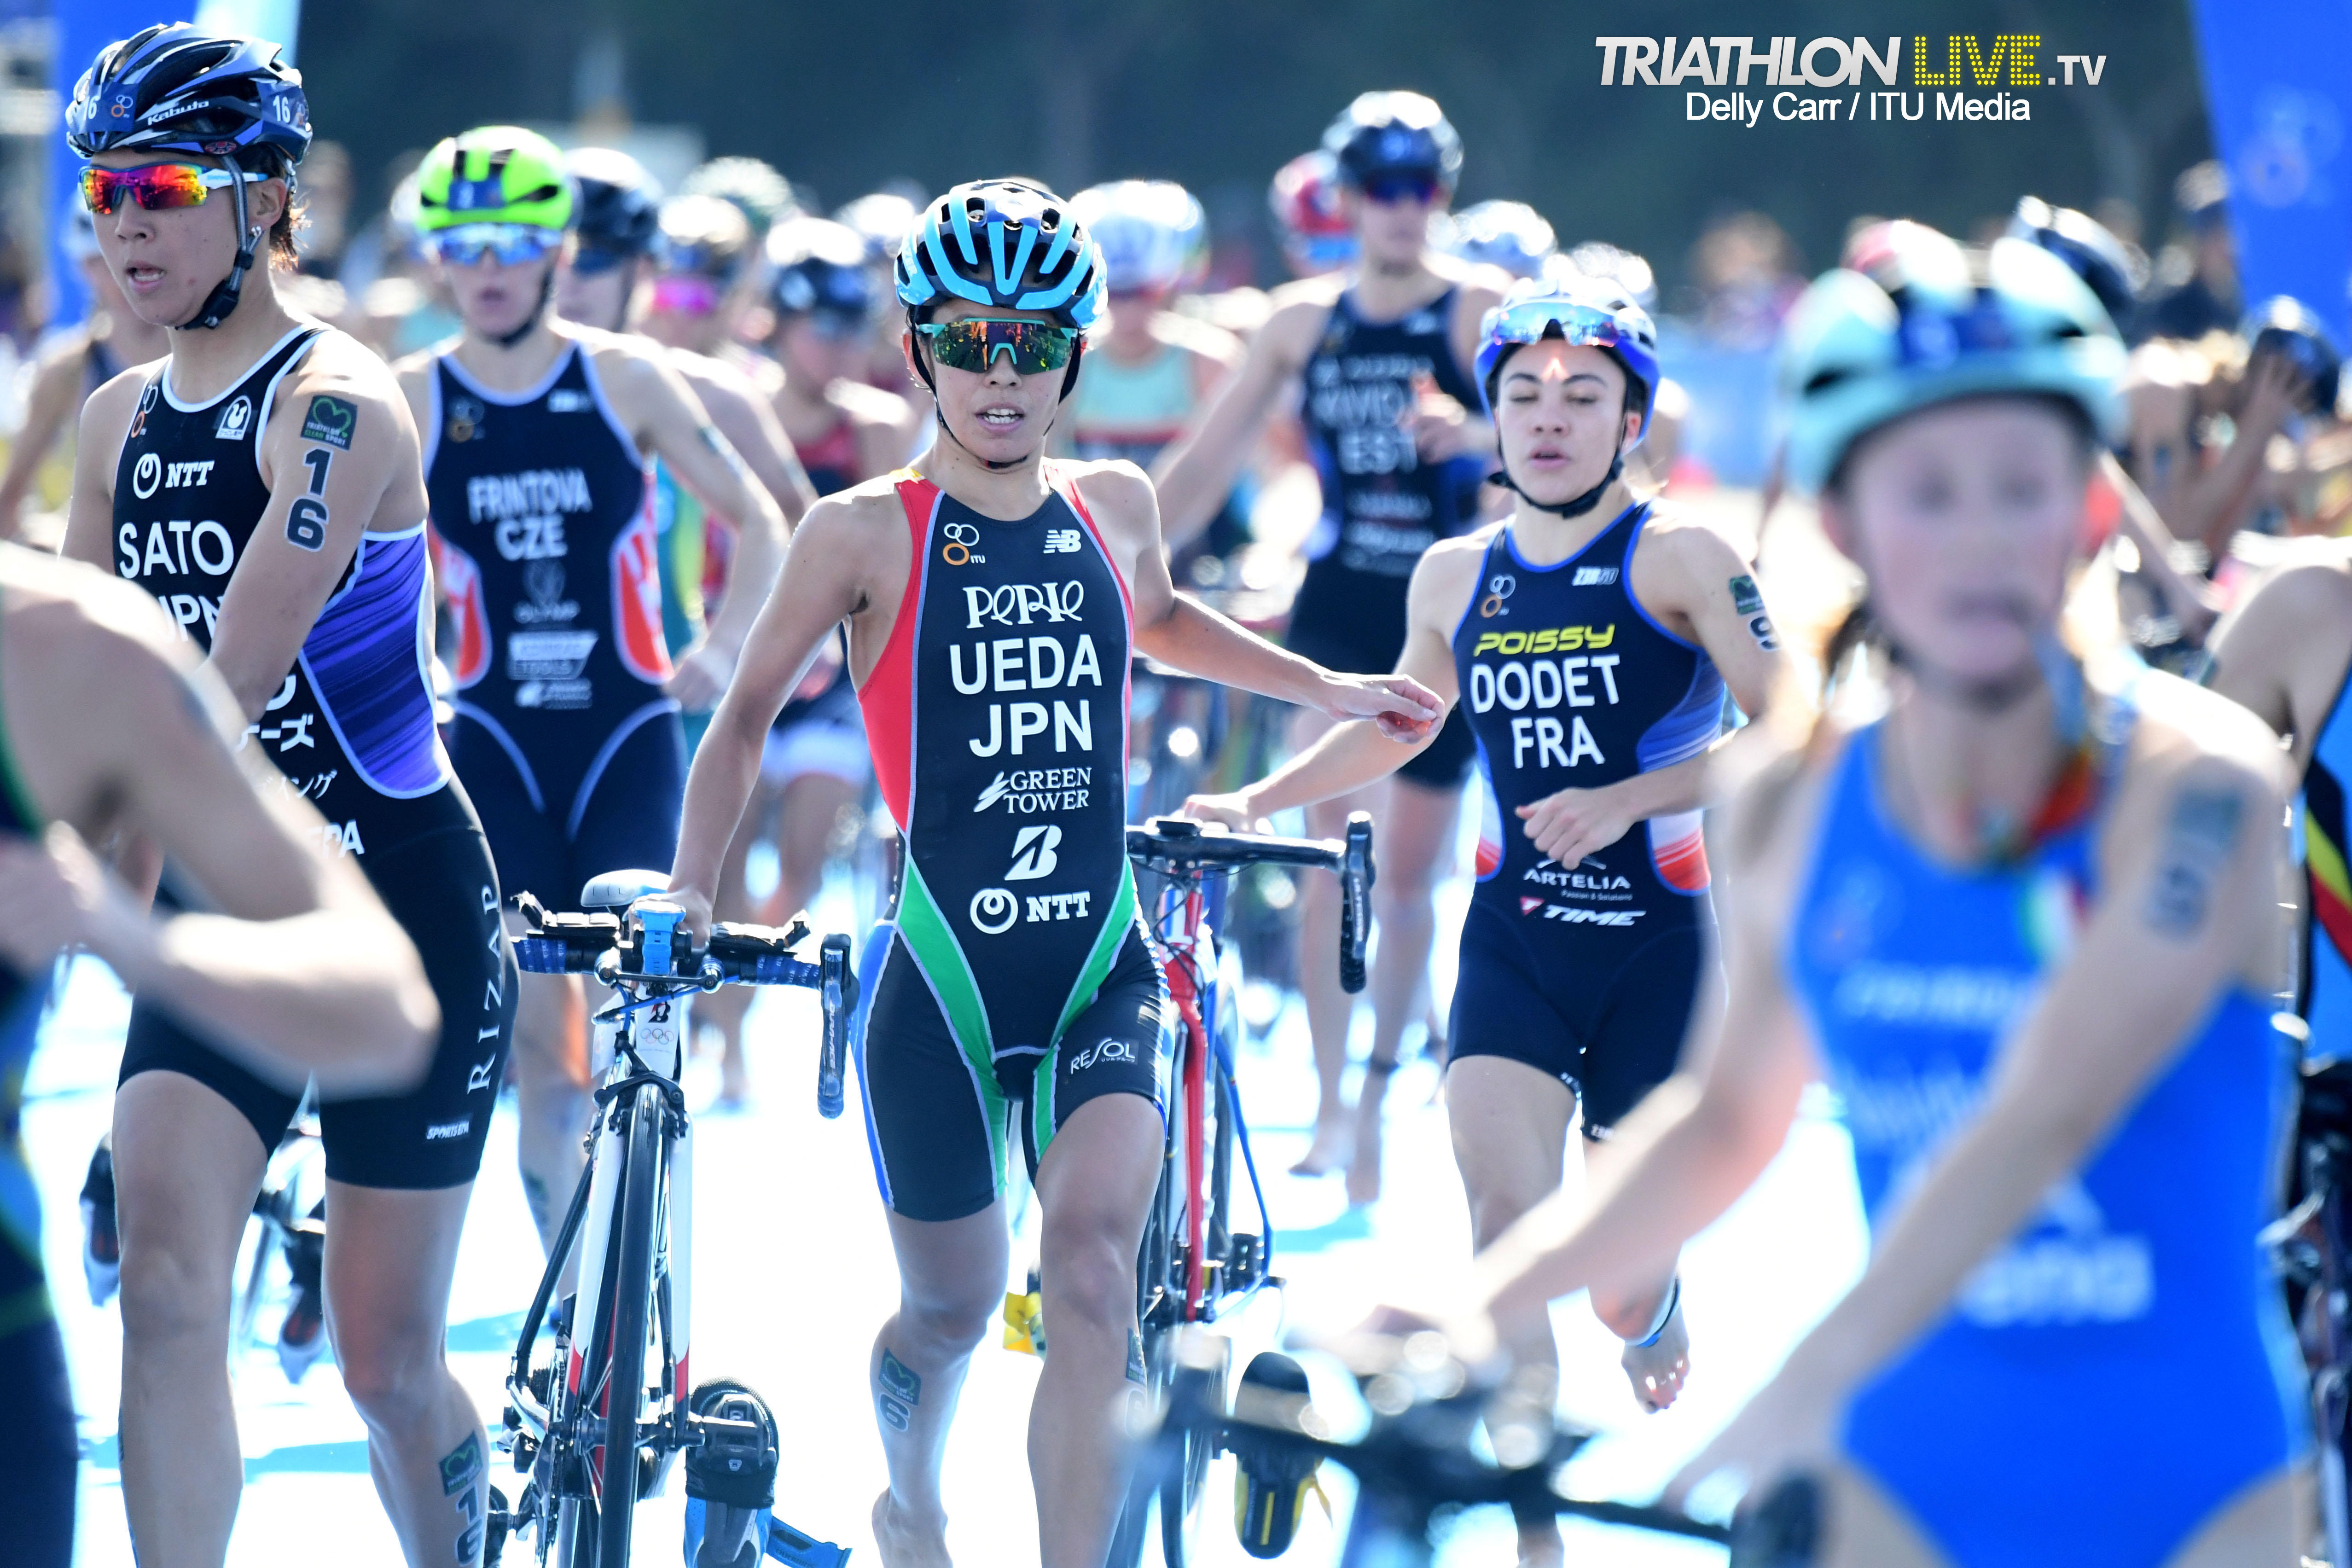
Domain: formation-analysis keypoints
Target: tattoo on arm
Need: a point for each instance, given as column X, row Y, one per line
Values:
column 1748, row 600
column 896, row 1390
column 331, row 420
column 2198, row 837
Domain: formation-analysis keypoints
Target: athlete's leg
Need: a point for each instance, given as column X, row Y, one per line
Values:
column 1864, row 1526
column 187, row 1165
column 1509, row 1122
column 1415, row 847
column 2260, row 1526
column 1657, row 1369
column 805, row 831
column 951, row 1281
column 389, row 1256
column 553, row 1091
column 725, row 1009
column 1094, row 1185
column 1329, row 1008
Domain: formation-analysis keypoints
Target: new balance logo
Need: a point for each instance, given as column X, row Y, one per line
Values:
column 1061, row 542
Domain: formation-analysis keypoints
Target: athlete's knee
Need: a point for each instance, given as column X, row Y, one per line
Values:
column 943, row 1325
column 1089, row 1276
column 171, row 1293
column 393, row 1369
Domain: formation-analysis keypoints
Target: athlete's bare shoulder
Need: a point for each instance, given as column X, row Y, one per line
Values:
column 332, row 392
column 1301, row 311
column 715, row 381
column 864, row 405
column 617, row 354
column 1445, row 579
column 1118, row 494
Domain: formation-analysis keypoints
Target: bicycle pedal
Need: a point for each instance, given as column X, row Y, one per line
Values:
column 1025, row 1323
column 796, row 1549
column 495, row 1524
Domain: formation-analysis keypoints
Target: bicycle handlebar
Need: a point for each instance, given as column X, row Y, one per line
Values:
column 738, row 954
column 1418, row 1452
column 1182, row 847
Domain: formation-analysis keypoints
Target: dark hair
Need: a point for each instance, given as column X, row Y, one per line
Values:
column 291, row 218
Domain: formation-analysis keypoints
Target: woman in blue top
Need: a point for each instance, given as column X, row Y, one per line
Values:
column 2026, row 924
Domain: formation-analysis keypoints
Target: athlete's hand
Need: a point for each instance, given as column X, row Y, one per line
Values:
column 700, row 678
column 1441, row 428
column 1235, row 811
column 54, row 895
column 1789, row 1427
column 695, row 904
column 1575, row 823
column 1403, row 707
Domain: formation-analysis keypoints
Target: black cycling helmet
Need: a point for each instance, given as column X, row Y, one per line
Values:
column 2284, row 326
column 818, row 266
column 2115, row 274
column 172, row 88
column 1394, row 133
column 616, row 209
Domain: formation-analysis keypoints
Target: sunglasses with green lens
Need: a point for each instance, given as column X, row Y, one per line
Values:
column 973, row 344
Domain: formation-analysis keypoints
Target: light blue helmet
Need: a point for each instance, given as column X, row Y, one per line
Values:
column 1574, row 309
column 1931, row 323
column 1512, row 235
column 1002, row 243
column 1152, row 233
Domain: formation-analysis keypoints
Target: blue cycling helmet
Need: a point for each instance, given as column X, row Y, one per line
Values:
column 1394, row 133
column 2113, row 271
column 172, row 88
column 1928, row 325
column 1002, row 243
column 1512, row 235
column 1570, row 308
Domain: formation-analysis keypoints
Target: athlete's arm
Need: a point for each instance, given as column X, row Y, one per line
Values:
column 831, row 568
column 2282, row 651
column 2142, row 525
column 98, row 448
column 2193, row 856
column 1179, row 631
column 46, row 408
column 658, row 405
column 1197, row 472
column 338, row 442
column 1703, row 590
column 301, row 971
column 1347, row 757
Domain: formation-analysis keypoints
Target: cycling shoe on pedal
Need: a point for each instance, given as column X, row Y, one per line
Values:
column 101, row 1249
column 1271, row 1484
column 495, row 1525
column 730, row 1477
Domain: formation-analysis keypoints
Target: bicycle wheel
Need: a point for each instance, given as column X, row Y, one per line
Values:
column 1186, row 1482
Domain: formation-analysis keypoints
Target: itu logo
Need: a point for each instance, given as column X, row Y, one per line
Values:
column 1500, row 587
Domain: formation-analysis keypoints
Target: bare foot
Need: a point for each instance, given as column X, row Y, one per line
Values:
column 1329, row 1152
column 1657, row 1370
column 905, row 1542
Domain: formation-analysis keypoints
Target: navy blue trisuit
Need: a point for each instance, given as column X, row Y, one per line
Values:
column 1587, row 972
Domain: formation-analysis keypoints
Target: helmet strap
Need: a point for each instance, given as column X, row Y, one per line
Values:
column 538, row 312
column 1576, row 507
column 226, row 293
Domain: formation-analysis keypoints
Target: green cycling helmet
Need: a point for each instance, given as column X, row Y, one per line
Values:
column 494, row 173
column 1921, row 321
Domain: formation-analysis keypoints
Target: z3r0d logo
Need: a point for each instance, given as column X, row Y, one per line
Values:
column 993, row 910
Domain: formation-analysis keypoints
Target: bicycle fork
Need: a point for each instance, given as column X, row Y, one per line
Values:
column 661, row 1030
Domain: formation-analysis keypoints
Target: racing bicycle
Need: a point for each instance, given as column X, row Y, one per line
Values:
column 1417, row 1465
column 2314, row 1243
column 1197, row 1262
column 596, row 1424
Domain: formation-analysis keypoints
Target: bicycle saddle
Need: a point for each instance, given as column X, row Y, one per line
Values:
column 614, row 891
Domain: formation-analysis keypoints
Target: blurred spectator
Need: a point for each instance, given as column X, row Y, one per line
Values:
column 325, row 191
column 2198, row 274
column 1745, row 273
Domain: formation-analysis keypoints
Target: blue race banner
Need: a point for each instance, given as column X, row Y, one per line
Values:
column 2280, row 100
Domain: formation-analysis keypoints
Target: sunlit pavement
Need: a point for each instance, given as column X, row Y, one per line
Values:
column 793, row 1273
